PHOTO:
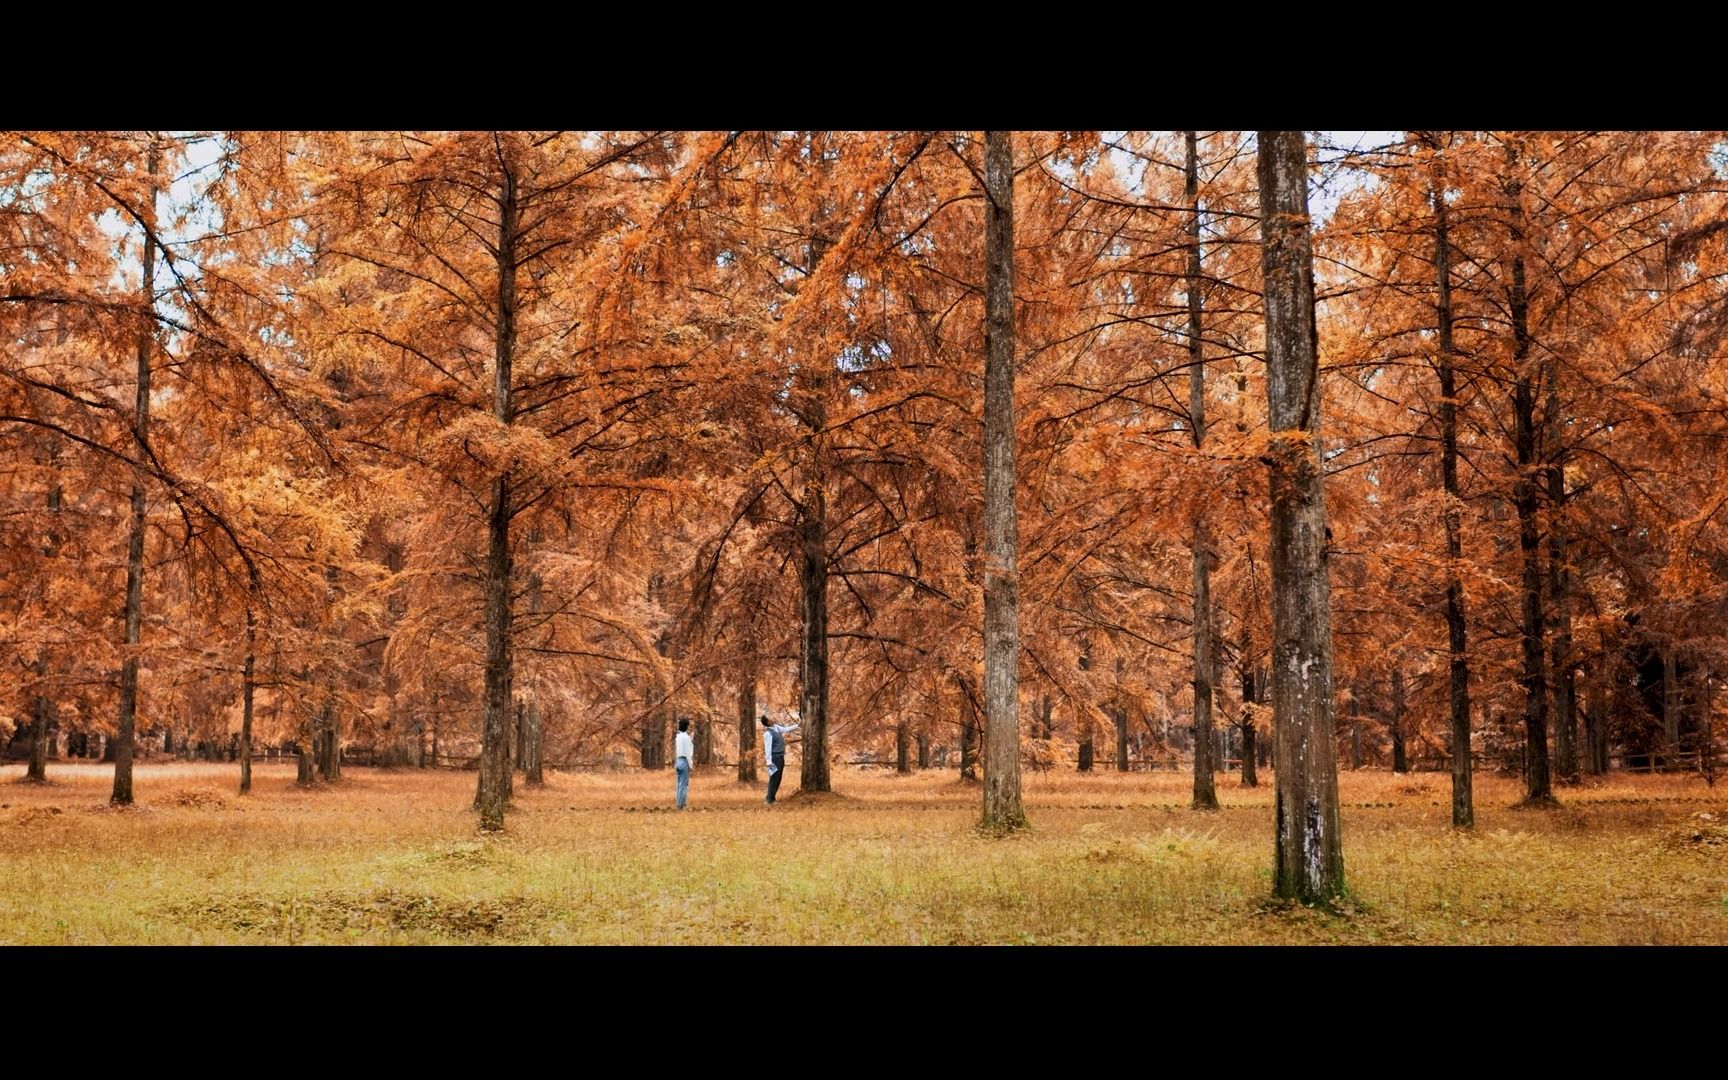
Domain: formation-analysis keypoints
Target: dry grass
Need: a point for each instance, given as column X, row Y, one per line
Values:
column 602, row 858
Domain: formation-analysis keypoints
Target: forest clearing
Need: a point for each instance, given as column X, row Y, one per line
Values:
column 997, row 536
column 391, row 856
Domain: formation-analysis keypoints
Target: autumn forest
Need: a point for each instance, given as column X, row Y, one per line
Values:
column 1051, row 471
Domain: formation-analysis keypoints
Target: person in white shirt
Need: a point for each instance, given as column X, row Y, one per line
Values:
column 684, row 752
column 774, row 749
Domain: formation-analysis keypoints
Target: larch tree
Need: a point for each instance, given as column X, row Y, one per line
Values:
column 1309, row 851
column 463, row 259
column 1445, row 371
column 1205, row 797
column 1002, row 808
column 134, row 605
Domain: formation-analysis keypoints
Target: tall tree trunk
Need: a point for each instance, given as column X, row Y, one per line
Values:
column 1002, row 807
column 1706, row 733
column 969, row 743
column 37, row 770
column 813, row 553
column 813, row 653
column 1400, row 760
column 1585, row 705
column 1083, row 723
column 1120, row 715
column 493, row 791
column 902, row 748
column 747, row 723
column 1559, row 585
column 134, row 616
column 248, row 689
column 1355, row 732
column 1463, row 808
column 530, row 740
column 1595, row 733
column 1205, row 794
column 704, row 740
column 1250, row 692
column 654, row 732
column 41, row 709
column 1309, row 853
column 534, row 740
column 329, row 741
column 305, row 773
column 1670, row 708
column 1525, row 494
column 923, row 741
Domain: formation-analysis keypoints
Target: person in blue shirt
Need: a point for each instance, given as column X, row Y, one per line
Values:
column 774, row 749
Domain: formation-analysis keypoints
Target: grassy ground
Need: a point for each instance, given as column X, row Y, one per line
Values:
column 389, row 856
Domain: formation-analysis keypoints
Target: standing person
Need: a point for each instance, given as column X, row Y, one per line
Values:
column 774, row 749
column 685, row 751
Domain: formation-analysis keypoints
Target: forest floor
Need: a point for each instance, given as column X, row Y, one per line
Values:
column 597, row 858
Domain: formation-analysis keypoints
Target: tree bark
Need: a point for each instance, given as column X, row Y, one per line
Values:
column 1670, row 707
column 1309, row 856
column 1525, row 493
column 1463, row 808
column 654, row 734
column 134, row 615
column 329, row 742
column 37, row 770
column 248, row 689
column 1559, row 586
column 969, row 743
column 1083, row 724
column 493, row 791
column 923, row 741
column 1400, row 760
column 1205, row 793
column 813, row 653
column 1355, row 732
column 1250, row 778
column 42, row 709
column 1706, row 732
column 525, row 739
column 902, row 748
column 530, row 740
column 1120, row 715
column 813, row 772
column 704, row 740
column 1002, row 806
column 1250, row 691
column 1595, row 733
column 747, row 723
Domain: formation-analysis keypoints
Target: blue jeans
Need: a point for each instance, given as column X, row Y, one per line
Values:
column 683, row 781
